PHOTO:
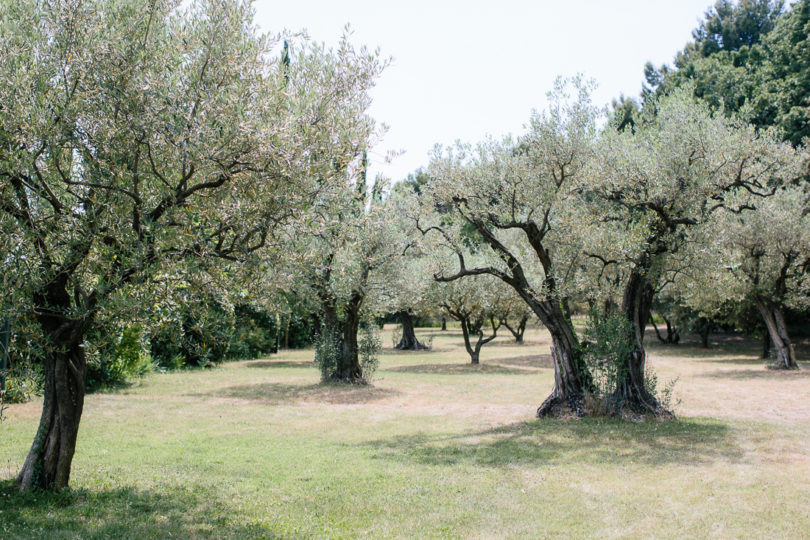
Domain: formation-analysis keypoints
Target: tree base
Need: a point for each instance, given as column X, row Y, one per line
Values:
column 781, row 366
column 562, row 407
column 413, row 346
column 591, row 406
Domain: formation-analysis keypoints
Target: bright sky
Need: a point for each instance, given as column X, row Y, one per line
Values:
column 465, row 69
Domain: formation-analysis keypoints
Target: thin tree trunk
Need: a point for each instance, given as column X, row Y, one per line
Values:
column 657, row 333
column 777, row 330
column 444, row 324
column 469, row 328
column 466, row 330
column 518, row 331
column 766, row 344
column 408, row 341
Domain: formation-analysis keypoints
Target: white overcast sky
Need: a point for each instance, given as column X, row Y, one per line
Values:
column 465, row 69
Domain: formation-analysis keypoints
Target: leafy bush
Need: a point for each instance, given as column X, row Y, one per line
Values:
column 255, row 333
column 328, row 353
column 110, row 365
column 369, row 347
column 199, row 332
column 609, row 342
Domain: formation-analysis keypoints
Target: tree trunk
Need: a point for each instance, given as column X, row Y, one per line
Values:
column 766, row 345
column 444, row 324
column 349, row 369
column 777, row 330
column 571, row 377
column 672, row 334
column 631, row 390
column 48, row 463
column 475, row 327
column 466, row 329
column 408, row 341
column 518, row 331
column 705, row 331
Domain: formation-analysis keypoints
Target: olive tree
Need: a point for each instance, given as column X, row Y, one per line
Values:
column 762, row 255
column 138, row 135
column 651, row 188
column 514, row 197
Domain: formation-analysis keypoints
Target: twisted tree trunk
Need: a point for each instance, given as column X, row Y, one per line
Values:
column 631, row 390
column 408, row 341
column 49, row 460
column 774, row 320
column 349, row 369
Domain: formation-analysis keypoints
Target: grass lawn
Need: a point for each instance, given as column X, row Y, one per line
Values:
column 435, row 448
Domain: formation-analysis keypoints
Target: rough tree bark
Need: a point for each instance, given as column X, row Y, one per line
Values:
column 349, row 369
column 774, row 319
column 631, row 390
column 408, row 341
column 48, row 463
column 571, row 378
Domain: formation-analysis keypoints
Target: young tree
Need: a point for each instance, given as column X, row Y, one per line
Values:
column 143, row 134
column 474, row 303
column 514, row 199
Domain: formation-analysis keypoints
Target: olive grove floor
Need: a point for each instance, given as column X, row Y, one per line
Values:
column 435, row 448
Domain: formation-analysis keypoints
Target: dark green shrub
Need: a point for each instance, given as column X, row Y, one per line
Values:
column 111, row 364
column 328, row 353
column 255, row 333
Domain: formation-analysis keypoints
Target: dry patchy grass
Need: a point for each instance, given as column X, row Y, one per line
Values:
column 435, row 448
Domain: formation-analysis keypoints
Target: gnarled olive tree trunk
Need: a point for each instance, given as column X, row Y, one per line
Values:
column 408, row 341
column 349, row 368
column 571, row 377
column 49, row 460
column 631, row 390
column 774, row 319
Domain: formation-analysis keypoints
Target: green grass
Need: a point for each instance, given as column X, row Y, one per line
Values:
column 436, row 448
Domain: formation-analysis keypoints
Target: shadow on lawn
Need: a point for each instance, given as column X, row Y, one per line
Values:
column 762, row 373
column 531, row 360
column 280, row 364
column 459, row 369
column 285, row 394
column 590, row 442
column 121, row 513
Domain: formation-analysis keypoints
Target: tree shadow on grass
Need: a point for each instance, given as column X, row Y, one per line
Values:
column 530, row 360
column 761, row 374
column 285, row 394
column 459, row 369
column 280, row 364
column 590, row 442
column 127, row 512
